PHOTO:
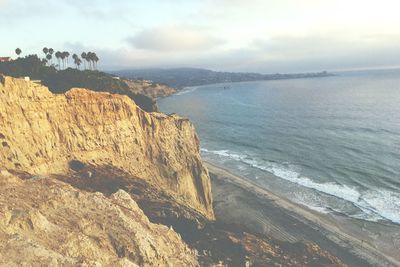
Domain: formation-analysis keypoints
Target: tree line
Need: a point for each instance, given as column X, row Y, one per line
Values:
column 89, row 59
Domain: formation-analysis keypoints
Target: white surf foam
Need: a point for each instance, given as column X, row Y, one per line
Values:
column 376, row 204
column 319, row 209
column 343, row 191
column 386, row 203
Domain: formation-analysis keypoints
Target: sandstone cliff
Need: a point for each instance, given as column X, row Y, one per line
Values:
column 86, row 172
column 44, row 222
column 215, row 241
column 41, row 133
column 149, row 88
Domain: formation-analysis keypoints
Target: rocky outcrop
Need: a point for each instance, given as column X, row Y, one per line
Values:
column 149, row 88
column 44, row 222
column 217, row 243
column 42, row 133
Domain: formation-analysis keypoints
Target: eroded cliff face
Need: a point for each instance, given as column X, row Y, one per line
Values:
column 148, row 88
column 41, row 133
column 76, row 167
column 44, row 222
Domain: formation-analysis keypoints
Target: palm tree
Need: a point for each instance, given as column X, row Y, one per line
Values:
column 75, row 58
column 66, row 56
column 88, row 59
column 84, row 55
column 49, row 57
column 18, row 51
column 92, row 58
column 77, row 61
column 45, row 51
column 51, row 51
column 63, row 56
column 95, row 59
column 58, row 56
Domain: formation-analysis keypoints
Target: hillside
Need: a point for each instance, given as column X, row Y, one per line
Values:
column 183, row 77
column 60, row 81
column 149, row 88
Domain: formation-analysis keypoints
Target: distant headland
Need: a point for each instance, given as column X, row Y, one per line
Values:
column 184, row 77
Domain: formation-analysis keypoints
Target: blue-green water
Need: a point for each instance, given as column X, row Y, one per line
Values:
column 332, row 143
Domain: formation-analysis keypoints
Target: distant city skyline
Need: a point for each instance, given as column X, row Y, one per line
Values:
column 226, row 35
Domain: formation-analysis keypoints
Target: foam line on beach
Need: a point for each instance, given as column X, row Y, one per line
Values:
column 376, row 248
column 376, row 204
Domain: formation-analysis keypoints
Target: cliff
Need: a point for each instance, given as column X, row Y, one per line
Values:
column 90, row 179
column 45, row 222
column 44, row 133
column 60, row 81
column 149, row 88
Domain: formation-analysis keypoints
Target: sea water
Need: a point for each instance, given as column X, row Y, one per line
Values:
column 331, row 143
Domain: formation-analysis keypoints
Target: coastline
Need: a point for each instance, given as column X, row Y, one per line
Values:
column 356, row 242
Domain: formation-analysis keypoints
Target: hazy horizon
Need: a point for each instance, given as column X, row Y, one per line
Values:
column 251, row 36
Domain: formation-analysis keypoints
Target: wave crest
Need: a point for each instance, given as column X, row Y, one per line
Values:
column 383, row 203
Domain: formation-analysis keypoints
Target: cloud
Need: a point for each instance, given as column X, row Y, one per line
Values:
column 277, row 54
column 322, row 51
column 174, row 39
column 290, row 53
column 257, row 35
column 325, row 45
column 17, row 15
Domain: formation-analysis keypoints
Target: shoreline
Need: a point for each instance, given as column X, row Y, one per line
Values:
column 355, row 241
column 182, row 88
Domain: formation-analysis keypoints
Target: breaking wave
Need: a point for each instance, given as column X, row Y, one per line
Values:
column 376, row 204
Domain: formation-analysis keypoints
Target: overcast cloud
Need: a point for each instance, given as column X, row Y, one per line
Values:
column 174, row 39
column 232, row 35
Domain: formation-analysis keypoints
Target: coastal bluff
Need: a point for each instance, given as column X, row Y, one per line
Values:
column 42, row 133
column 45, row 222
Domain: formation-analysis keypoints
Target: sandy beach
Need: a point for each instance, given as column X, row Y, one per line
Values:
column 356, row 242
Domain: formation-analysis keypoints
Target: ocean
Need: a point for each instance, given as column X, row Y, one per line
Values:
column 332, row 144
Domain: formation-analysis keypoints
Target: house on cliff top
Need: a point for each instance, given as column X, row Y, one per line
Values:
column 5, row 59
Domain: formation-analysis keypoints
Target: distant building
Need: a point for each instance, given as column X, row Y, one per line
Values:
column 28, row 79
column 116, row 78
column 5, row 59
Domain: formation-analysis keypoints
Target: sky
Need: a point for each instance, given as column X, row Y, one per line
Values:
column 263, row 36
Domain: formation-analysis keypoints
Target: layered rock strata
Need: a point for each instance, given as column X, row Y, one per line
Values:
column 42, row 133
column 45, row 222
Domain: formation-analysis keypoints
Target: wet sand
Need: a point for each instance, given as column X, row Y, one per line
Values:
column 356, row 242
